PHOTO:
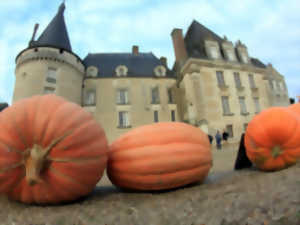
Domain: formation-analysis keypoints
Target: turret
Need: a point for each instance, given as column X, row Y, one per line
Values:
column 48, row 64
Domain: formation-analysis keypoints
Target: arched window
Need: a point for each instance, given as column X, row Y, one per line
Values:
column 160, row 71
column 121, row 71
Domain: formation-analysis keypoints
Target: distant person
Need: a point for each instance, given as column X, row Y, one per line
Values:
column 218, row 140
column 225, row 136
column 210, row 138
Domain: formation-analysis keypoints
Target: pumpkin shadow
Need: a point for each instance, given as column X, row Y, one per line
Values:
column 102, row 191
column 158, row 192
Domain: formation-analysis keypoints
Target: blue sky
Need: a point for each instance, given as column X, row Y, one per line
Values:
column 269, row 28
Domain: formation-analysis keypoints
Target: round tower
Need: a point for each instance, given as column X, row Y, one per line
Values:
column 48, row 64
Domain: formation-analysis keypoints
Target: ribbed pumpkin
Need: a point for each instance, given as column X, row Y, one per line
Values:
column 51, row 150
column 295, row 108
column 272, row 139
column 159, row 156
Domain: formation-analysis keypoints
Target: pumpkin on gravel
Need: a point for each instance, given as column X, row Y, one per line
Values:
column 272, row 139
column 51, row 150
column 159, row 156
column 295, row 108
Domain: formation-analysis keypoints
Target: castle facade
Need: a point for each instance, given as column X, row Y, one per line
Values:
column 214, row 84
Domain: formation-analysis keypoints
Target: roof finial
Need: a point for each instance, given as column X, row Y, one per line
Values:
column 62, row 7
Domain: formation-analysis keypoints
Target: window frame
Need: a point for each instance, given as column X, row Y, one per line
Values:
column 124, row 120
column 220, row 78
column 122, row 96
column 225, row 102
column 155, row 98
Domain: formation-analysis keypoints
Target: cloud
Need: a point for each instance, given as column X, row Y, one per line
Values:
column 269, row 29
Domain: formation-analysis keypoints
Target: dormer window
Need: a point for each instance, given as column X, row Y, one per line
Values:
column 244, row 58
column 121, row 71
column 214, row 53
column 92, row 71
column 160, row 71
column 230, row 55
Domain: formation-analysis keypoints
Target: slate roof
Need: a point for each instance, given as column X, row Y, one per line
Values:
column 141, row 65
column 194, row 43
column 194, row 39
column 256, row 62
column 55, row 34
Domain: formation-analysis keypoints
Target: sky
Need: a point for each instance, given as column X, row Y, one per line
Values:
column 269, row 28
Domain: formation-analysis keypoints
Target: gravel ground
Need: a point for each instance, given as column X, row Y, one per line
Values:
column 226, row 197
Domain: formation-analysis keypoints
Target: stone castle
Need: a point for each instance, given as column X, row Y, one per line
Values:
column 214, row 84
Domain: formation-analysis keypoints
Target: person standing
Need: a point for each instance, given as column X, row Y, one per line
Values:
column 225, row 136
column 218, row 140
column 210, row 138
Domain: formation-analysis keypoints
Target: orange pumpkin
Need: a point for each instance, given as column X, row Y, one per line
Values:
column 51, row 150
column 295, row 108
column 159, row 156
column 272, row 139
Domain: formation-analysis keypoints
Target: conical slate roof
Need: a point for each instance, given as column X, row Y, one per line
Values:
column 55, row 34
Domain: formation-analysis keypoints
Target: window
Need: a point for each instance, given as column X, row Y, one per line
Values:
column 281, row 85
column 225, row 104
column 237, row 80
column 243, row 105
column 155, row 116
column 124, row 119
column 274, row 84
column 155, row 95
column 51, row 75
column 170, row 96
column 49, row 90
column 278, row 85
column 230, row 55
column 122, row 97
column 90, row 98
column 257, row 105
column 271, row 84
column 220, row 78
column 214, row 52
column 160, row 71
column 173, row 115
column 244, row 58
column 229, row 130
column 121, row 71
column 251, row 81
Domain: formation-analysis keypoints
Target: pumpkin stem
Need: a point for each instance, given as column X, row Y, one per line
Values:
column 276, row 151
column 37, row 158
column 35, row 164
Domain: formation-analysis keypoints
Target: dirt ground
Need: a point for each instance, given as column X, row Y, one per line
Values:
column 226, row 197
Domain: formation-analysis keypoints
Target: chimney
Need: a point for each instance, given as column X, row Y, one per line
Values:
column 164, row 61
column 179, row 47
column 135, row 50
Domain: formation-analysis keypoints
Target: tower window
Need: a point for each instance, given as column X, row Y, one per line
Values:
column 51, row 75
column 49, row 90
